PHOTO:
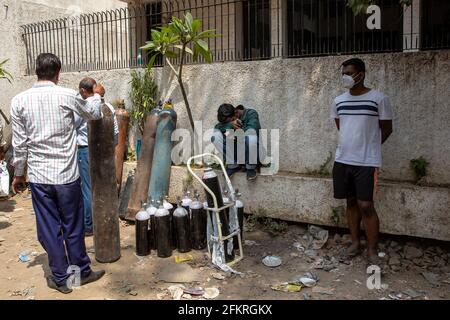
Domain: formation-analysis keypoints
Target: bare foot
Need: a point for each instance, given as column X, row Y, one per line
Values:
column 372, row 257
column 353, row 250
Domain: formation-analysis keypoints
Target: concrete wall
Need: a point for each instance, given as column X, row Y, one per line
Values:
column 294, row 95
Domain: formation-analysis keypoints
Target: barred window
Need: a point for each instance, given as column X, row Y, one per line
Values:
column 323, row 27
column 256, row 29
column 435, row 24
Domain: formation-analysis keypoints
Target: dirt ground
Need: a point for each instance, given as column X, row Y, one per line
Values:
column 133, row 277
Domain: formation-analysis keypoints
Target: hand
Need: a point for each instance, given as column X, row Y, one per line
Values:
column 2, row 154
column 236, row 124
column 18, row 184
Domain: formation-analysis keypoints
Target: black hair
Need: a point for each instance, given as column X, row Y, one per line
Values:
column 88, row 84
column 47, row 66
column 225, row 111
column 357, row 63
column 240, row 107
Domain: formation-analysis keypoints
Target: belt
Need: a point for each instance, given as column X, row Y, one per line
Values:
column 83, row 147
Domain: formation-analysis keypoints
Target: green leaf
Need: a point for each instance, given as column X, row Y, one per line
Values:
column 149, row 46
column 200, row 50
column 151, row 62
column 171, row 54
column 196, row 25
column 202, row 44
column 208, row 34
column 188, row 21
column 188, row 50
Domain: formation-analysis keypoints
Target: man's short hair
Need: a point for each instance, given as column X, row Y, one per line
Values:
column 357, row 63
column 240, row 107
column 48, row 66
column 88, row 84
column 225, row 111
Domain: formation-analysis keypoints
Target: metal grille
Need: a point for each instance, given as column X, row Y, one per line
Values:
column 250, row 29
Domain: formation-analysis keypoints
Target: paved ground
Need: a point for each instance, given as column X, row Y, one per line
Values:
column 413, row 268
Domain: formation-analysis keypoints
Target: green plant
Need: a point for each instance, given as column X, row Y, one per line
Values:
column 3, row 73
column 274, row 227
column 143, row 95
column 419, row 166
column 175, row 41
column 360, row 6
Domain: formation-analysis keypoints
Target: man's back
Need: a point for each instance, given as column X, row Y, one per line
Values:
column 44, row 135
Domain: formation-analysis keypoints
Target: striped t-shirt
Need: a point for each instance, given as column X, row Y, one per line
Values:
column 359, row 133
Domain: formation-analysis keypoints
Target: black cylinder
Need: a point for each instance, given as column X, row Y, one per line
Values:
column 211, row 180
column 142, row 241
column 163, row 235
column 151, row 210
column 198, row 226
column 183, row 230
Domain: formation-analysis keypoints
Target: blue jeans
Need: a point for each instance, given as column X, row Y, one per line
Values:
column 251, row 151
column 60, row 230
column 83, row 167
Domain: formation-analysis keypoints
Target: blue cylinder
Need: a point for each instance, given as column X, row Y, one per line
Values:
column 162, row 160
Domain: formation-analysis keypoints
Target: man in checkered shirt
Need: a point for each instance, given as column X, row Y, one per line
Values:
column 44, row 140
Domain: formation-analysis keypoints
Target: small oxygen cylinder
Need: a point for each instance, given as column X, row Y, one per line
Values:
column 151, row 210
column 182, row 228
column 198, row 224
column 186, row 202
column 211, row 180
column 240, row 212
column 142, row 242
column 163, row 232
column 170, row 207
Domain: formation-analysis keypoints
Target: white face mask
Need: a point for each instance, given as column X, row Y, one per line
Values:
column 349, row 81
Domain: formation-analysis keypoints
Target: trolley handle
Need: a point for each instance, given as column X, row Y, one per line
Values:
column 227, row 179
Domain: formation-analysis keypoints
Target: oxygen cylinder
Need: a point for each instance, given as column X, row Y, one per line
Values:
column 182, row 229
column 142, row 227
column 139, row 191
column 103, row 187
column 151, row 210
column 163, row 232
column 211, row 180
column 240, row 212
column 186, row 202
column 198, row 224
column 162, row 161
column 123, row 119
column 170, row 207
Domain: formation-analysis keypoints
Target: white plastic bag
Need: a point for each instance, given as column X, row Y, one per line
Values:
column 4, row 180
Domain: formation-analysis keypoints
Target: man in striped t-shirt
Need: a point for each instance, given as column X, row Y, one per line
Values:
column 363, row 117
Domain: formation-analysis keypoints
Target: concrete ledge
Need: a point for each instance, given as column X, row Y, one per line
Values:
column 403, row 209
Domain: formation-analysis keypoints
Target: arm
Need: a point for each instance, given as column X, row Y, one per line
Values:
column 19, row 142
column 386, row 129
column 252, row 120
column 89, row 109
column 334, row 115
column 337, row 124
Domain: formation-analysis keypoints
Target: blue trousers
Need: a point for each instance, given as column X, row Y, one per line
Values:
column 83, row 167
column 60, row 228
column 251, row 159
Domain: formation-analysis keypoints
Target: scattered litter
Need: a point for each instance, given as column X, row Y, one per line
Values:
column 161, row 296
column 185, row 258
column 2, row 239
column 186, row 296
column 309, row 279
column 381, row 254
column 250, row 243
column 211, row 293
column 431, row 278
column 298, row 246
column 218, row 276
column 198, row 291
column 127, row 288
column 398, row 296
column 306, row 296
column 288, row 287
column 176, row 291
column 92, row 250
column 272, row 261
column 24, row 256
column 358, row 282
column 413, row 294
column 133, row 293
column 320, row 236
column 322, row 290
column 18, row 209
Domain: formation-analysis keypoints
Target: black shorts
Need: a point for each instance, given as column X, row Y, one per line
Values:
column 353, row 181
